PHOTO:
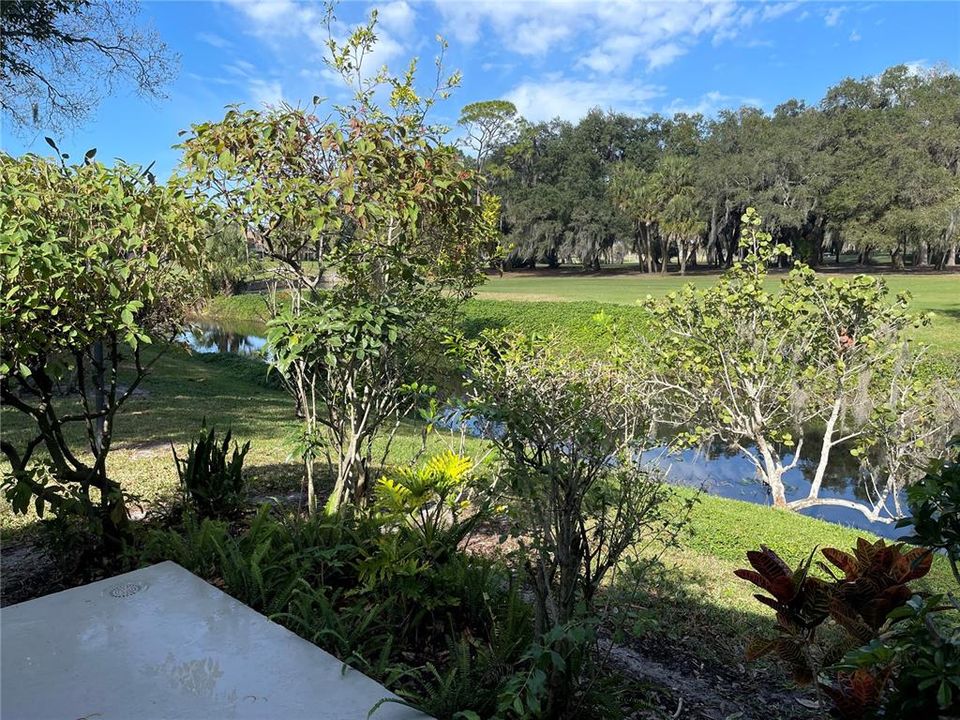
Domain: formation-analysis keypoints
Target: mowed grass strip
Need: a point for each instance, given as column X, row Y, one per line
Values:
column 565, row 301
column 938, row 293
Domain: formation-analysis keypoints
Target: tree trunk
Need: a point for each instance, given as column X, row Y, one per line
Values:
column 896, row 257
column 923, row 256
column 949, row 242
column 712, row 239
column 772, row 475
column 816, row 236
column 648, row 247
column 825, row 448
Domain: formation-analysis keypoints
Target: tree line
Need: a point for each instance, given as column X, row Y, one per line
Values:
column 872, row 168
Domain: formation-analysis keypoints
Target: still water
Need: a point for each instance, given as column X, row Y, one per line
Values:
column 205, row 336
column 718, row 470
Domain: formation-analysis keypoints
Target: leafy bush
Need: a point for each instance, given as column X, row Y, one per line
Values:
column 913, row 670
column 569, row 430
column 96, row 262
column 374, row 198
column 212, row 484
column 862, row 606
column 388, row 590
column 935, row 509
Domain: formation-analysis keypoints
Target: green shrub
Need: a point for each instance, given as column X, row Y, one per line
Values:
column 213, row 485
column 389, row 590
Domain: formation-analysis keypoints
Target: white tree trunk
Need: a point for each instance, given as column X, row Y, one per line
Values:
column 826, row 447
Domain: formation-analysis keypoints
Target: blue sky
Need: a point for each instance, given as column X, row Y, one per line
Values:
column 550, row 58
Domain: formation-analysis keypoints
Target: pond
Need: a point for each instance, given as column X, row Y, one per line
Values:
column 206, row 336
column 718, row 470
column 728, row 473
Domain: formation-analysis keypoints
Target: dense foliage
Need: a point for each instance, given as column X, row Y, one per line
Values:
column 569, row 429
column 212, row 484
column 898, row 654
column 375, row 229
column 386, row 589
column 97, row 261
column 874, row 167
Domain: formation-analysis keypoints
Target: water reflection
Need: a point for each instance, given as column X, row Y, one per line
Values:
column 207, row 337
column 727, row 472
column 730, row 474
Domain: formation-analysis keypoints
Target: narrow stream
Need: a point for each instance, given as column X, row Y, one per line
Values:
column 719, row 471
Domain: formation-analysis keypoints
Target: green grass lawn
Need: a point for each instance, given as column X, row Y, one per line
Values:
column 544, row 301
column 183, row 391
column 936, row 293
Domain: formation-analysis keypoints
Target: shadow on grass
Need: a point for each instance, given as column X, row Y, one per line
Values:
column 686, row 635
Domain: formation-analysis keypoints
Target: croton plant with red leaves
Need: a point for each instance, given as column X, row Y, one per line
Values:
column 873, row 581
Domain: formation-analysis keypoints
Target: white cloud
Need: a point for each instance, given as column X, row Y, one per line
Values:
column 663, row 55
column 570, row 99
column 214, row 40
column 855, row 36
column 397, row 17
column 618, row 54
column 773, row 10
column 296, row 30
column 616, row 33
column 498, row 66
column 240, row 67
column 709, row 104
column 833, row 16
column 615, row 54
column 266, row 12
column 265, row 92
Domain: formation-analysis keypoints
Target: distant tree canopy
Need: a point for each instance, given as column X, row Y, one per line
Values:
column 59, row 58
column 874, row 167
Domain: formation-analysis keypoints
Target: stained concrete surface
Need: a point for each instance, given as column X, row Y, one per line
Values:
column 160, row 643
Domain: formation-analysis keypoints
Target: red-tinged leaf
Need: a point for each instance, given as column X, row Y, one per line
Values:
column 845, row 561
column 768, row 563
column 875, row 611
column 884, row 558
column 847, row 617
column 845, row 706
column 920, row 560
column 769, row 602
column 782, row 589
column 864, row 550
column 864, row 686
column 752, row 576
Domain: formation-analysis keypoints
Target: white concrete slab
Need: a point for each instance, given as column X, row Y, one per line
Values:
column 162, row 643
